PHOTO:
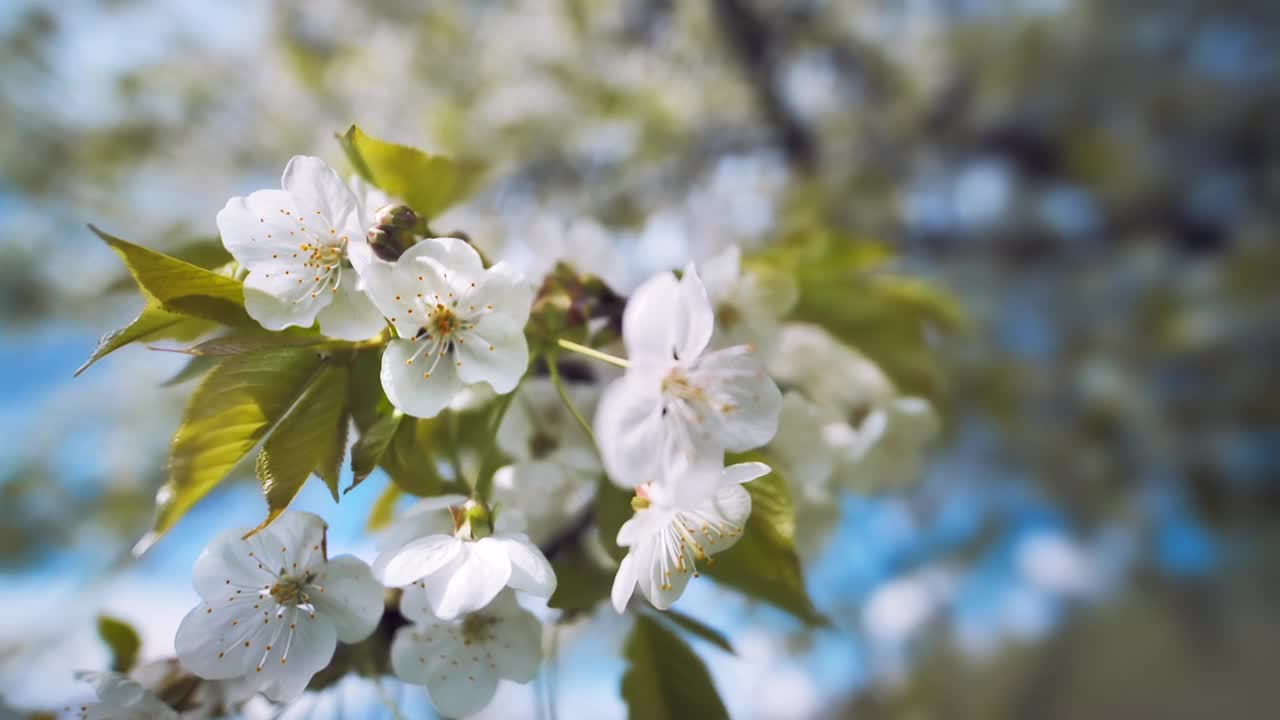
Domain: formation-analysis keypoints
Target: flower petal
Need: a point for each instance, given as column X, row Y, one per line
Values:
column 484, row 571
column 259, row 229
column 320, row 192
column 418, row 649
column 745, row 472
column 409, row 388
column 278, row 297
column 351, row 315
column 530, row 570
column 461, row 683
column 351, row 598
column 228, row 562
column 747, row 399
column 293, row 543
column 624, row 583
column 494, row 352
column 416, row 560
column 292, row 660
column 210, row 640
column 503, row 287
column 517, row 645
column 458, row 259
column 628, row 426
column 661, row 587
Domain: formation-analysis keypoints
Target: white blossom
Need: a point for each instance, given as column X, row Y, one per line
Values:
column 554, row 462
column 543, row 240
column 274, row 606
column 304, row 247
column 677, row 526
column 889, row 446
column 677, row 406
column 120, row 698
column 460, row 661
column 807, row 459
column 457, row 322
column 458, row 563
column 749, row 306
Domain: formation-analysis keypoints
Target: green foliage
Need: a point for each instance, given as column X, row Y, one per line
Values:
column 581, row 584
column 229, row 413
column 384, row 508
column 428, row 183
column 122, row 640
column 240, row 344
column 763, row 564
column 311, row 437
column 180, row 287
column 688, row 624
column 665, row 678
column 613, row 508
column 845, row 286
column 152, row 323
column 410, row 459
column 369, row 449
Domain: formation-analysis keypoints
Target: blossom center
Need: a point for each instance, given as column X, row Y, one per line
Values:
column 475, row 628
column 292, row 589
column 677, row 385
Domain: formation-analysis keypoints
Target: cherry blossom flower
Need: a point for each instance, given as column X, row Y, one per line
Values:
column 120, row 698
column 555, row 463
column 460, row 661
column 304, row 247
column 274, row 606
column 807, row 459
column 677, row 406
column 458, row 324
column 461, row 569
column 676, row 527
column 748, row 306
column 889, row 446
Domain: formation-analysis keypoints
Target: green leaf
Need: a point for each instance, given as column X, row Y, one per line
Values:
column 384, row 508
column 665, row 678
column 231, row 410
column 428, row 183
column 122, row 640
column 581, row 584
column 242, row 344
column 410, row 459
column 152, row 323
column 372, row 445
column 194, row 368
column 763, row 563
column 612, row 508
column 306, row 440
column 710, row 634
column 180, row 287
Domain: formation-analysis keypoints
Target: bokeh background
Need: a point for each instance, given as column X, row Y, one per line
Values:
column 1096, row 182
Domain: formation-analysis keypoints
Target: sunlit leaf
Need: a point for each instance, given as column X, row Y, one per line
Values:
column 763, row 563
column 229, row 413
column 384, row 508
column 180, row 287
column 665, row 678
column 122, row 640
column 428, row 183
column 152, row 323
column 410, row 459
column 372, row 445
column 306, row 440
column 257, row 342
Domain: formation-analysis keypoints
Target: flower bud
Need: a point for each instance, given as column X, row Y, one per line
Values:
column 393, row 231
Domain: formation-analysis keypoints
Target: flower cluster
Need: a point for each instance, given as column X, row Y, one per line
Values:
column 699, row 388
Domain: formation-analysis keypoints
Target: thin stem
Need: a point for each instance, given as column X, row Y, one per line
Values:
column 553, row 679
column 484, row 481
column 568, row 402
column 592, row 353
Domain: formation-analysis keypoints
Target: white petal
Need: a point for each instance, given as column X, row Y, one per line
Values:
column 318, row 187
column 461, row 683
column 351, row 599
column 458, row 258
column 628, row 426
column 745, row 472
column 369, row 199
column 651, row 320
column 210, row 640
column 720, row 273
column 643, row 525
column 395, row 287
column 503, row 287
column 419, row 648
column 661, row 589
column 494, row 352
column 406, row 387
column 530, row 570
column 517, row 646
column 699, row 319
column 256, row 229
column 228, row 562
column 624, row 583
column 747, row 398
column 278, row 301
column 483, row 573
column 351, row 315
column 732, row 505
column 428, row 516
column 293, row 543
column 292, row 661
column 416, row 560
